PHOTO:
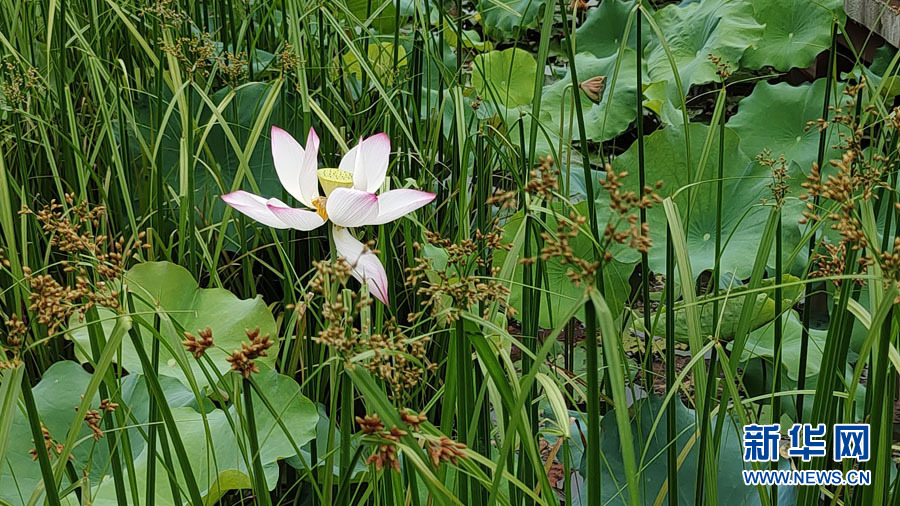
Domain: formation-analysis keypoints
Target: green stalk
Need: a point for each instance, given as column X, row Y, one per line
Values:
column 34, row 421
column 671, row 427
column 259, row 476
column 706, row 476
column 642, row 182
column 779, row 335
column 810, row 288
column 593, row 391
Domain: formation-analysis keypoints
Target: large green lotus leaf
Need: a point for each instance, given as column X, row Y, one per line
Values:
column 603, row 28
column 723, row 28
column 759, row 353
column 775, row 117
column 654, row 467
column 506, row 76
column 170, row 291
column 562, row 294
column 604, row 120
column 212, row 446
column 729, row 315
column 56, row 396
column 136, row 397
column 504, row 17
column 796, row 31
column 743, row 216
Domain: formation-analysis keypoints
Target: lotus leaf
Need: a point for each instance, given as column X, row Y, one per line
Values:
column 759, row 353
column 56, row 396
column 506, row 76
column 603, row 120
column 561, row 292
column 504, row 17
column 730, row 484
column 603, row 28
column 729, row 311
column 743, row 215
column 171, row 292
column 212, row 446
column 776, row 117
column 694, row 31
column 796, row 31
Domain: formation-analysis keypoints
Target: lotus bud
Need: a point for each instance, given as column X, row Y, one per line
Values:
column 594, row 88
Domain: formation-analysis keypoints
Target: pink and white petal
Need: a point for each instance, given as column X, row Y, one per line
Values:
column 366, row 267
column 396, row 204
column 347, row 207
column 309, row 180
column 371, row 162
column 287, row 155
column 253, row 206
column 299, row 219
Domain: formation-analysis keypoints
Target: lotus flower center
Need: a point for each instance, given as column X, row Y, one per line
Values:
column 319, row 204
column 334, row 178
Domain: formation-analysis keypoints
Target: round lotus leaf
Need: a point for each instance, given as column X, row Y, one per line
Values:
column 745, row 185
column 604, row 118
column 777, row 116
column 602, row 30
column 506, row 17
column 693, row 32
column 217, row 462
column 796, row 32
column 506, row 77
column 169, row 290
column 56, row 397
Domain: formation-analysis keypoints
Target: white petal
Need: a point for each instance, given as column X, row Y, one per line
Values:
column 368, row 162
column 348, row 162
column 347, row 207
column 395, row 204
column 300, row 219
column 366, row 267
column 309, row 180
column 295, row 166
column 253, row 206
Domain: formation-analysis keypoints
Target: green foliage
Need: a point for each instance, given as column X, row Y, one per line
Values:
column 777, row 117
column 744, row 187
column 562, row 293
column 170, row 291
column 724, row 322
column 603, row 120
column 505, row 76
column 650, row 444
column 796, row 31
column 509, row 17
column 722, row 28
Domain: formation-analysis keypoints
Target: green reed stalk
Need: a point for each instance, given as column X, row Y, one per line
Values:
column 34, row 422
column 593, row 401
column 809, row 288
column 642, row 182
column 259, row 476
column 706, row 486
column 671, row 427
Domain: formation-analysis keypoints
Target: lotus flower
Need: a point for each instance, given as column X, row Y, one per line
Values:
column 350, row 198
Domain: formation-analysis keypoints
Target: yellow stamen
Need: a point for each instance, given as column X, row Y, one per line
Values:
column 334, row 178
column 319, row 204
